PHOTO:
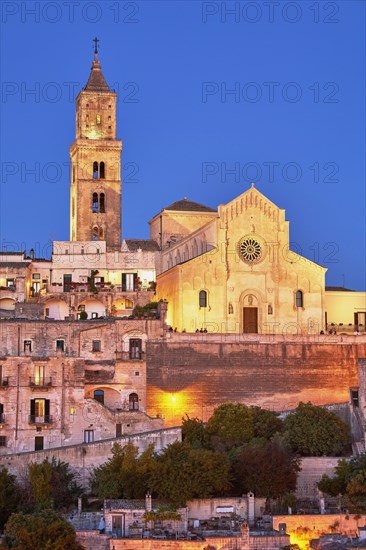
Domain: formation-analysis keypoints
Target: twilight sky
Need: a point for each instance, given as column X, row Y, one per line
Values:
column 212, row 95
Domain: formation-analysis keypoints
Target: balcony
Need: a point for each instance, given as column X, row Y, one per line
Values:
column 46, row 419
column 4, row 382
column 35, row 382
column 2, row 418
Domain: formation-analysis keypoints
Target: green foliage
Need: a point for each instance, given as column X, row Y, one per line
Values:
column 140, row 311
column 268, row 471
column 183, row 473
column 125, row 475
column 265, row 423
column 164, row 513
column 83, row 315
column 9, row 496
column 314, row 431
column 231, row 425
column 194, row 433
column 50, row 484
column 350, row 481
column 43, row 530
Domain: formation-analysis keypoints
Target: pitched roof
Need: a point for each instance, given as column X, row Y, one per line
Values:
column 189, row 206
column 96, row 82
column 145, row 245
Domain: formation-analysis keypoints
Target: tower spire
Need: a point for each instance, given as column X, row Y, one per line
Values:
column 96, row 81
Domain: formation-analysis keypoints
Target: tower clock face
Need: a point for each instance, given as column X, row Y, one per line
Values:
column 250, row 250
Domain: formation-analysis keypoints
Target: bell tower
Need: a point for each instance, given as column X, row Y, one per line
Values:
column 95, row 190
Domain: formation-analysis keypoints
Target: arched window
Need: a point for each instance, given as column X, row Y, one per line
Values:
column 102, row 203
column 133, row 402
column 202, row 298
column 95, row 233
column 299, row 298
column 99, row 396
column 95, row 203
column 128, row 304
column 95, row 170
column 101, row 170
column 101, row 234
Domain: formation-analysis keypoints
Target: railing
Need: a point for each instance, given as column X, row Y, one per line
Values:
column 43, row 382
column 4, row 382
column 46, row 419
column 348, row 328
column 2, row 418
column 130, row 356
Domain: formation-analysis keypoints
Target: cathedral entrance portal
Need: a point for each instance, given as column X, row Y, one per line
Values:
column 250, row 320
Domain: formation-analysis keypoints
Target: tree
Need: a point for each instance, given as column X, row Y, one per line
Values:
column 231, row 425
column 50, row 484
column 125, row 475
column 350, row 481
column 314, row 431
column 44, row 530
column 194, row 433
column 268, row 471
column 9, row 496
column 265, row 423
column 183, row 473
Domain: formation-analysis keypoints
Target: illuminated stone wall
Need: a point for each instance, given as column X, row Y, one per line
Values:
column 189, row 373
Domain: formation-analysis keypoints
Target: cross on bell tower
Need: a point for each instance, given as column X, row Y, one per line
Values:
column 95, row 197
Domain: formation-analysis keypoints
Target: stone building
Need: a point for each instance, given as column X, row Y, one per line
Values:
column 72, row 349
column 70, row 382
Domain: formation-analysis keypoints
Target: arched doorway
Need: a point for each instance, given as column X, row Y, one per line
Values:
column 133, row 402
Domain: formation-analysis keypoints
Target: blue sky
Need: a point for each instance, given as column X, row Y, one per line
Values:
column 212, row 95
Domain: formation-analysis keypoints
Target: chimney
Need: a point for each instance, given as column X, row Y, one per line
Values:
column 251, row 508
column 148, row 503
column 31, row 253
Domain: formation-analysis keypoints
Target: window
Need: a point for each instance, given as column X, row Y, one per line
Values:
column 2, row 441
column 96, row 345
column 88, row 436
column 2, row 417
column 135, row 351
column 60, row 345
column 36, row 276
column 128, row 281
column 95, row 203
column 72, row 411
column 94, row 315
column 38, row 443
column 10, row 282
column 99, row 396
column 102, row 203
column 102, row 170
column 95, row 170
column 27, row 345
column 40, row 411
column 39, row 378
column 98, row 119
column 202, row 298
column 137, row 373
column 299, row 298
column 128, row 304
column 133, row 402
column 118, row 430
